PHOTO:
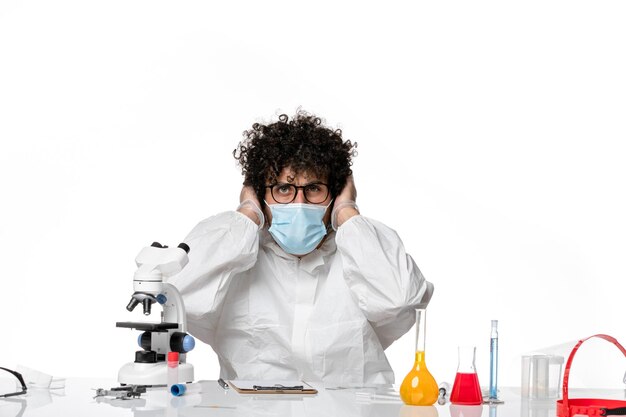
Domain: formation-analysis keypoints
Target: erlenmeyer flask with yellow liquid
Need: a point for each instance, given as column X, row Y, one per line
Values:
column 419, row 387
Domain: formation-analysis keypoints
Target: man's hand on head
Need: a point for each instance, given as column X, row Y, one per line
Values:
column 345, row 204
column 250, row 206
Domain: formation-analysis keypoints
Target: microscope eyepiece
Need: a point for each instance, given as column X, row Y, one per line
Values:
column 184, row 246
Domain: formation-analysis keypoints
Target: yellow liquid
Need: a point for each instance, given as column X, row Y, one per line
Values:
column 419, row 387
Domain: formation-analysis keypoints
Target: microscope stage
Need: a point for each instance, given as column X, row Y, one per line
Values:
column 149, row 327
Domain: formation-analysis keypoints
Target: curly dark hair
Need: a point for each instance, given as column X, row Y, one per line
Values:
column 303, row 143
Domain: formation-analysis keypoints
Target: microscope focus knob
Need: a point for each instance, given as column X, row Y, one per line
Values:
column 182, row 342
column 145, row 340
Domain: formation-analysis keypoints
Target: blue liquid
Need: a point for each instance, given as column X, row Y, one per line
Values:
column 493, row 369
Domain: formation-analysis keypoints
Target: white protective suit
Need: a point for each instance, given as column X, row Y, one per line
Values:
column 327, row 316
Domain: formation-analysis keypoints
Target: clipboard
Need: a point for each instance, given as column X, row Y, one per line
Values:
column 271, row 387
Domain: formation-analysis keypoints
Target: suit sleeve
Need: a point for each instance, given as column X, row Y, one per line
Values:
column 384, row 280
column 221, row 247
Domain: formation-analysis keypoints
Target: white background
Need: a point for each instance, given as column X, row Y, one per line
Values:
column 490, row 133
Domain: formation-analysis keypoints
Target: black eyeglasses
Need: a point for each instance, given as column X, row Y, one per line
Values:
column 314, row 193
column 19, row 378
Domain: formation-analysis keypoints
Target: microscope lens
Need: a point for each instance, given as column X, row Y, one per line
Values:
column 133, row 303
column 147, row 304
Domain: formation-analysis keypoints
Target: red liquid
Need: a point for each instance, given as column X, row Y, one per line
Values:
column 466, row 390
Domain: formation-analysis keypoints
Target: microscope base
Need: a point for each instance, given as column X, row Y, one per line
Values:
column 152, row 373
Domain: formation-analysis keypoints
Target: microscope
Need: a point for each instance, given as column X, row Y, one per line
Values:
column 155, row 264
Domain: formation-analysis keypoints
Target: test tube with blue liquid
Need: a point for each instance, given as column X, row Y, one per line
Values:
column 493, row 365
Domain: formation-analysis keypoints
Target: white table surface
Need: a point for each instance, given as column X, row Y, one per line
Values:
column 77, row 399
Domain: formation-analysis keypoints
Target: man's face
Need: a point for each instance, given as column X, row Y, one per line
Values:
column 287, row 176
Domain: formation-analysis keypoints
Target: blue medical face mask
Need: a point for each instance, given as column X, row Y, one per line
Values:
column 298, row 227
